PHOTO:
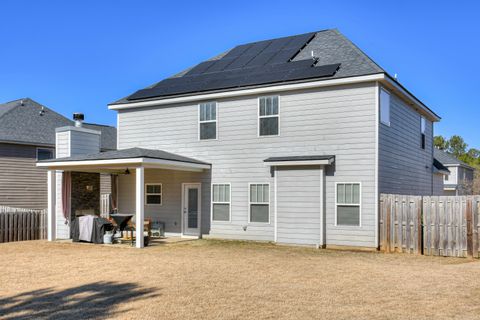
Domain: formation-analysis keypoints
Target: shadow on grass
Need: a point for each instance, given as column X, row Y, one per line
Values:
column 90, row 301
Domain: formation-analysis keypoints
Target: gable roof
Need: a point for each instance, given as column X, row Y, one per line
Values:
column 262, row 63
column 448, row 159
column 22, row 121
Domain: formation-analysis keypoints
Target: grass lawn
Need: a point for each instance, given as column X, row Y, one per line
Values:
column 209, row 279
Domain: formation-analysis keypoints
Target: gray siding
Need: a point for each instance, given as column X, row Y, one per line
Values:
column 336, row 121
column 404, row 167
column 298, row 205
column 22, row 184
column 170, row 210
column 438, row 184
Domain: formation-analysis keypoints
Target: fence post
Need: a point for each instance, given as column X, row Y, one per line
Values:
column 469, row 214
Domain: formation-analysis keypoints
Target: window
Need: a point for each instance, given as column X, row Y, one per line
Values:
column 446, row 177
column 208, row 121
column 423, row 124
column 153, row 193
column 259, row 205
column 384, row 107
column 45, row 154
column 348, row 204
column 221, row 202
column 268, row 116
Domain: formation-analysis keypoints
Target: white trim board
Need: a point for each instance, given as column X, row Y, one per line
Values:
column 299, row 163
column 122, row 162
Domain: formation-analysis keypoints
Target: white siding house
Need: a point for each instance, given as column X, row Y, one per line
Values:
column 300, row 160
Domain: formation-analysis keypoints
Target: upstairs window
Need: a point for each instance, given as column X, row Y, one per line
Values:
column 45, row 154
column 423, row 125
column 384, row 107
column 208, row 121
column 221, row 202
column 268, row 118
column 348, row 204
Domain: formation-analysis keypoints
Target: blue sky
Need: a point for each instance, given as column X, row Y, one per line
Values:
column 80, row 55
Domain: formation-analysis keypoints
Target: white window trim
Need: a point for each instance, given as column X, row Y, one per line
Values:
column 387, row 123
column 220, row 202
column 270, row 116
column 423, row 120
column 147, row 194
column 353, row 205
column 44, row 148
column 250, row 203
column 208, row 121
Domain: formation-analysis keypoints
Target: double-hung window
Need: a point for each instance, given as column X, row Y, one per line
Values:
column 153, row 193
column 268, row 116
column 259, row 204
column 208, row 121
column 423, row 125
column 221, row 202
column 384, row 107
column 348, row 202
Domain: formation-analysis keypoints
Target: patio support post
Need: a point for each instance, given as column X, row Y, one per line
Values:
column 51, row 214
column 139, row 210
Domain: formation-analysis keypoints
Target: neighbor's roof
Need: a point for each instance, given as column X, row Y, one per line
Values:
column 128, row 154
column 281, row 60
column 439, row 167
column 21, row 122
column 448, row 159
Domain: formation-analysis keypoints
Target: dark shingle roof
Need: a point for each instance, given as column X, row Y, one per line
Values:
column 128, row 154
column 439, row 166
column 329, row 46
column 447, row 159
column 21, row 122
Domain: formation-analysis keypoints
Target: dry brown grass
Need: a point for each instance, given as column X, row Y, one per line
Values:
column 230, row 280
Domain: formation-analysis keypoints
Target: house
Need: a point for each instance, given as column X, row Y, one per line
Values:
column 289, row 140
column 27, row 134
column 460, row 180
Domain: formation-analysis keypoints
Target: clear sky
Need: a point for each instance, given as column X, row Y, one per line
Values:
column 80, row 55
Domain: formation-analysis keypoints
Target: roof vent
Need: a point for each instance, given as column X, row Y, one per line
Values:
column 78, row 117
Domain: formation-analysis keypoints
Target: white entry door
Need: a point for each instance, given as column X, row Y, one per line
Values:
column 191, row 209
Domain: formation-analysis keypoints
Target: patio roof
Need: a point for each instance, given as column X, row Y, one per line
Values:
column 120, row 159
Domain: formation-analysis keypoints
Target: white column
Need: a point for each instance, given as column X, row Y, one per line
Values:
column 51, row 212
column 139, row 206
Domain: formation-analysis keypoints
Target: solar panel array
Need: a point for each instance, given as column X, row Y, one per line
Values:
column 250, row 64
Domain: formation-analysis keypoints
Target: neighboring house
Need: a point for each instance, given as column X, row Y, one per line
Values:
column 27, row 134
column 288, row 140
column 460, row 180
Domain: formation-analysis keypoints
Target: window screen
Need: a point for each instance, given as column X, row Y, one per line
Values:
column 208, row 121
column 384, row 107
column 153, row 194
column 221, row 202
column 348, row 204
column 259, row 203
column 268, row 116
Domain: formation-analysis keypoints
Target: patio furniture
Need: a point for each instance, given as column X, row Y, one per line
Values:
column 158, row 229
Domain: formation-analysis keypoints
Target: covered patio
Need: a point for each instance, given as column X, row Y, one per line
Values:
column 144, row 175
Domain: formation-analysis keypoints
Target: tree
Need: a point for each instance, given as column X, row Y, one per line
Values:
column 440, row 142
column 457, row 146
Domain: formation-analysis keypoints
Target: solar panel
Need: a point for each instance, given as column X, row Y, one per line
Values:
column 256, row 63
column 290, row 71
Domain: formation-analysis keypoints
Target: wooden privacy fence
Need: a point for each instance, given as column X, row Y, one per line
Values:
column 17, row 224
column 430, row 225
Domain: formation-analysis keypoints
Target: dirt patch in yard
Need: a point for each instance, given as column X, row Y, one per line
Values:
column 209, row 279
